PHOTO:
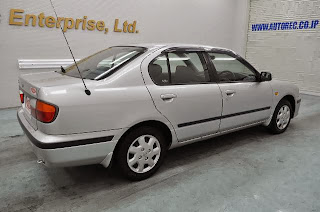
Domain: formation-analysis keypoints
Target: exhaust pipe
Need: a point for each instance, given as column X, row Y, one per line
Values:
column 40, row 161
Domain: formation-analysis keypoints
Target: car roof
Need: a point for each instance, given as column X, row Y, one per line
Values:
column 180, row 45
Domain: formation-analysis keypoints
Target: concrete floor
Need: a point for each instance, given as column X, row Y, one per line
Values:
column 249, row 170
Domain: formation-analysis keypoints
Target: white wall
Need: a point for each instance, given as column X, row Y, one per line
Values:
column 291, row 55
column 213, row 22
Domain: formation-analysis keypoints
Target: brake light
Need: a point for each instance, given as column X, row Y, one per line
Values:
column 44, row 112
column 21, row 96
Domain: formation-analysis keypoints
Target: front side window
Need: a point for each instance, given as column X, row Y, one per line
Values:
column 179, row 68
column 229, row 69
column 101, row 64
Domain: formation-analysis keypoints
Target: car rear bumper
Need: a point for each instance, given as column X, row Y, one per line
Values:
column 70, row 150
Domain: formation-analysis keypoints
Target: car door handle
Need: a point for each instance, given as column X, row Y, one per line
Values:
column 230, row 92
column 168, row 97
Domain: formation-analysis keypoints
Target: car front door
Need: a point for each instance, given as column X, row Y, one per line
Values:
column 183, row 91
column 246, row 100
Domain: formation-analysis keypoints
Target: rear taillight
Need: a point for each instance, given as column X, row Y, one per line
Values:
column 21, row 96
column 44, row 112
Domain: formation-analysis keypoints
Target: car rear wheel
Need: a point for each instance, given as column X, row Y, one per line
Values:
column 281, row 117
column 141, row 153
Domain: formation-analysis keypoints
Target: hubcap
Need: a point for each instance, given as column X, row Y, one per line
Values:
column 143, row 153
column 283, row 117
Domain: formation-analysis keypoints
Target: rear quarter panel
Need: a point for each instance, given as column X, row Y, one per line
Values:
column 118, row 102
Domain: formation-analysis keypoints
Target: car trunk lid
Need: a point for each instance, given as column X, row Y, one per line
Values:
column 30, row 85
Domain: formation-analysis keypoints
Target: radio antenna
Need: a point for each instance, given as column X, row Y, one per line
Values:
column 87, row 91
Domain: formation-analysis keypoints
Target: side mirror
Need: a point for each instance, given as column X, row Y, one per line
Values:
column 265, row 76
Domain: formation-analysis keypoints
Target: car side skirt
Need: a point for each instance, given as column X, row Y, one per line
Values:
column 205, row 137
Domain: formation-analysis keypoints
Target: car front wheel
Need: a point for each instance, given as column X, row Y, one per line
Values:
column 141, row 153
column 281, row 117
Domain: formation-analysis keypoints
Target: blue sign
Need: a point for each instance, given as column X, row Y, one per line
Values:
column 291, row 25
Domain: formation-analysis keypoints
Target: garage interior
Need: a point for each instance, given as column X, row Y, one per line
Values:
column 248, row 170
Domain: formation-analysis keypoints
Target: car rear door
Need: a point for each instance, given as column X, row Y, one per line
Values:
column 183, row 90
column 245, row 100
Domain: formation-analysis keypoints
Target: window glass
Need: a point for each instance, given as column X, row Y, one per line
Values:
column 158, row 70
column 101, row 63
column 187, row 68
column 230, row 69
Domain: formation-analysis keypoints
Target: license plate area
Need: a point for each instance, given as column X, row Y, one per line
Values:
column 27, row 105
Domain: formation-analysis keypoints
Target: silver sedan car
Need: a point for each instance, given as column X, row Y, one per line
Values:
column 142, row 100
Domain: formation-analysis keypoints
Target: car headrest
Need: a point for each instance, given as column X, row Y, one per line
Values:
column 184, row 74
column 155, row 70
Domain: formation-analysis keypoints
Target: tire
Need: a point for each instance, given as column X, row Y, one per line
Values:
column 279, row 123
column 143, row 160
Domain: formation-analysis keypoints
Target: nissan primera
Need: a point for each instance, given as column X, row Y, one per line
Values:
column 128, row 105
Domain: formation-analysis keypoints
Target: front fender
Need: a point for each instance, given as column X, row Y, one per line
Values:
column 280, row 90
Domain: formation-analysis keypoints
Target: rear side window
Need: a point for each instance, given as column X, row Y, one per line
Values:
column 179, row 68
column 104, row 63
column 158, row 70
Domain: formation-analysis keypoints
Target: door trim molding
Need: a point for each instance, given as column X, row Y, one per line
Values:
column 192, row 140
column 221, row 117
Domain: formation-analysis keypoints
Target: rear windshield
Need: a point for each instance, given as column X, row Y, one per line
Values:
column 103, row 63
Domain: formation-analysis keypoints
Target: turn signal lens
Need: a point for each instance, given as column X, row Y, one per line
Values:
column 45, row 112
column 21, row 96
